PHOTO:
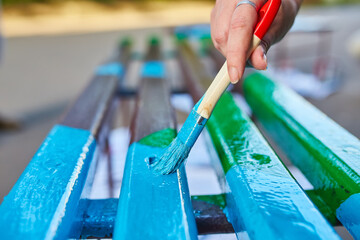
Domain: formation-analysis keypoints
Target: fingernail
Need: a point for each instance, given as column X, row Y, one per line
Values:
column 234, row 75
column 264, row 57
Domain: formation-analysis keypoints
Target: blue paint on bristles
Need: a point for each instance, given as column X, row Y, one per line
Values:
column 178, row 151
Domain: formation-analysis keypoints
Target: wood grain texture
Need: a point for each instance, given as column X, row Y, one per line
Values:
column 195, row 76
column 90, row 109
column 154, row 111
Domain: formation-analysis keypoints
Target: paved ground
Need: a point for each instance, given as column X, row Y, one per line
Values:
column 41, row 75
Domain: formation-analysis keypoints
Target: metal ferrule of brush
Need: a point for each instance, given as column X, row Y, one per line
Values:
column 192, row 128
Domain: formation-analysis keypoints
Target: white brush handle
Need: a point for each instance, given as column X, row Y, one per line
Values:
column 219, row 85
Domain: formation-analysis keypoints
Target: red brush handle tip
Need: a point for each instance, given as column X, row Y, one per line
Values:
column 266, row 15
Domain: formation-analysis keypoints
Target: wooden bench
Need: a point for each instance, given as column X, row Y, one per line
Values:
column 260, row 200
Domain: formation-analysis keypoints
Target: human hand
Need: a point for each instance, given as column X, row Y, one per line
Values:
column 232, row 30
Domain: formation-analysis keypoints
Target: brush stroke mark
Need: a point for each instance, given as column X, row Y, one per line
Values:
column 43, row 203
column 159, row 139
column 327, row 154
column 262, row 198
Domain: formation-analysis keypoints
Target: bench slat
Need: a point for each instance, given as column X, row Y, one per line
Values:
column 327, row 154
column 90, row 109
column 43, row 203
column 263, row 199
column 153, row 206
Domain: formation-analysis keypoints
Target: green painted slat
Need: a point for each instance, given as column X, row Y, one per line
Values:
column 218, row 200
column 262, row 197
column 327, row 154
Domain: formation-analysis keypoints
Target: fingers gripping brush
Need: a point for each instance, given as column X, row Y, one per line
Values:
column 177, row 152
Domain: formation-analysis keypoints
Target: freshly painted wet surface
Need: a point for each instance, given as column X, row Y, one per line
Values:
column 276, row 203
column 348, row 214
column 44, row 201
column 327, row 154
column 262, row 197
column 99, row 219
column 159, row 139
column 147, row 197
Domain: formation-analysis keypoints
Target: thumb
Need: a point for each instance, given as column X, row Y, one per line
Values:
column 258, row 58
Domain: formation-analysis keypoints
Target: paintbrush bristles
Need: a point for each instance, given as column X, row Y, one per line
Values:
column 175, row 155
column 177, row 152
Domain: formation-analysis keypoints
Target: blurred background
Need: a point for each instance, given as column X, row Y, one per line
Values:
column 50, row 50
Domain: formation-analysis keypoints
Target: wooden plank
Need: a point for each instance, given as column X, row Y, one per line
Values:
column 327, row 154
column 99, row 218
column 43, row 203
column 209, row 214
column 90, row 109
column 195, row 76
column 146, row 198
column 262, row 197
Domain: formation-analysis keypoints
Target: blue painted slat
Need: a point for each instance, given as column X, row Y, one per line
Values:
column 262, row 197
column 43, row 203
column 153, row 206
column 99, row 219
column 111, row 69
column 153, row 69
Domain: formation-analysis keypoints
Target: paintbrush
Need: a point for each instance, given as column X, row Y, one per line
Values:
column 177, row 152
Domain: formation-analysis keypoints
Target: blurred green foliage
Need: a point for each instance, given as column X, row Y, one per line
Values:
column 14, row 2
column 7, row 2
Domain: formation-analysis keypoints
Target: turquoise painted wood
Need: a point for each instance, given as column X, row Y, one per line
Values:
column 262, row 197
column 153, row 69
column 327, row 154
column 153, row 206
column 146, row 198
column 99, row 219
column 110, row 69
column 43, row 203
